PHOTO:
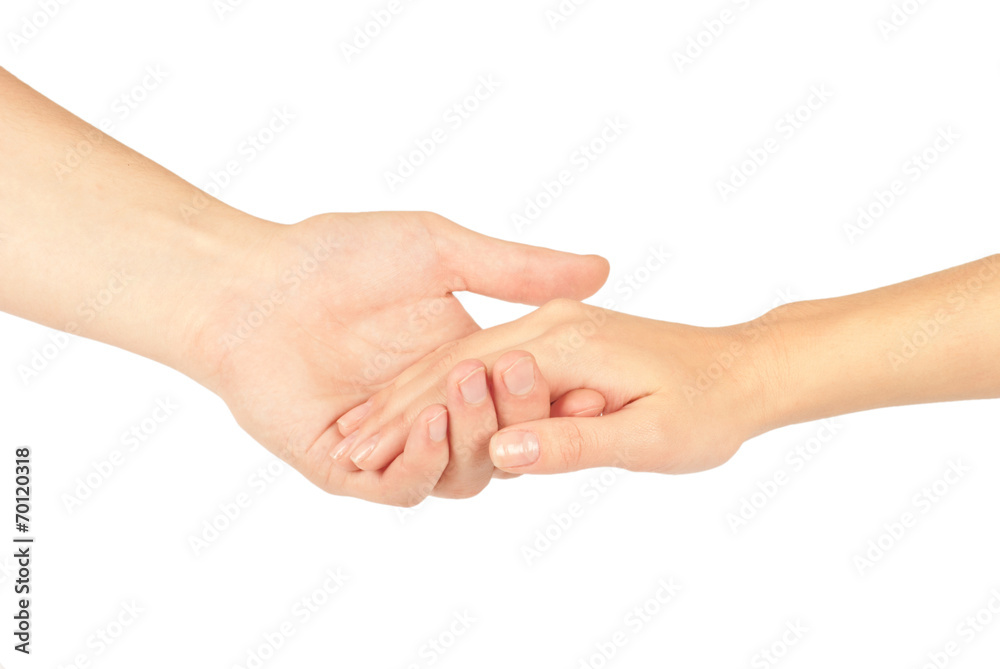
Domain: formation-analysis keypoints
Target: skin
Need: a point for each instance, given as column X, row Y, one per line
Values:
column 291, row 325
column 294, row 325
column 684, row 399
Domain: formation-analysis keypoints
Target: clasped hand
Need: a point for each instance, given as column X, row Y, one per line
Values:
column 367, row 375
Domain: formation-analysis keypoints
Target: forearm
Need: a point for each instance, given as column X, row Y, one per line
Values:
column 932, row 339
column 106, row 244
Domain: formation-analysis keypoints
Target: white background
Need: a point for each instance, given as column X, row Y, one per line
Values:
column 781, row 234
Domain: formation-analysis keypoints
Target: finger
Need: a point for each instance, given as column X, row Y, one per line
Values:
column 381, row 433
column 411, row 477
column 629, row 438
column 374, row 453
column 472, row 422
column 569, row 366
column 582, row 403
column 517, row 272
column 350, row 421
column 520, row 392
column 380, row 439
column 340, row 453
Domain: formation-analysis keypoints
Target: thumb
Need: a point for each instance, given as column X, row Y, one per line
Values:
column 517, row 272
column 628, row 439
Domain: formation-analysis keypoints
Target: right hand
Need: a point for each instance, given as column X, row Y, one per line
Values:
column 679, row 398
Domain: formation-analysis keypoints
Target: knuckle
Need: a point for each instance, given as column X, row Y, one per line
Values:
column 406, row 420
column 372, row 423
column 409, row 497
column 563, row 312
column 571, row 446
column 433, row 223
column 478, row 441
column 459, row 490
column 564, row 330
column 456, row 485
column 559, row 308
column 406, row 501
column 446, row 357
column 428, row 218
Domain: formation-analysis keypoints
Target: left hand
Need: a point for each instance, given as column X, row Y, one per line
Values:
column 317, row 317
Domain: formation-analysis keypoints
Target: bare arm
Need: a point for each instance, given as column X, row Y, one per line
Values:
column 113, row 248
column 290, row 324
column 683, row 398
column 932, row 339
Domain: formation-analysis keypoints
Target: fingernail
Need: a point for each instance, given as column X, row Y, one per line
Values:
column 515, row 449
column 520, row 377
column 365, row 450
column 473, row 387
column 438, row 427
column 344, row 446
column 354, row 416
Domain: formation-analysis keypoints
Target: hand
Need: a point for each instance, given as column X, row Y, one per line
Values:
column 478, row 403
column 682, row 399
column 291, row 325
column 679, row 398
column 319, row 316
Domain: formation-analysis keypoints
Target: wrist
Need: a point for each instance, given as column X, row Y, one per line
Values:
column 221, row 260
column 764, row 378
column 804, row 351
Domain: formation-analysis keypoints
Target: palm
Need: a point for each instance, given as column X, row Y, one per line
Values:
column 360, row 298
